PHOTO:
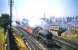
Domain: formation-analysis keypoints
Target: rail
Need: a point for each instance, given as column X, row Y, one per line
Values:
column 66, row 42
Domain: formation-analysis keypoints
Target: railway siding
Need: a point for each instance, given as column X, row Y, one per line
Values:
column 66, row 42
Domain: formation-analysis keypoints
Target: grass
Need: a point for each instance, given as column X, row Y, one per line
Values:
column 18, row 40
column 71, row 35
column 20, row 43
column 2, row 41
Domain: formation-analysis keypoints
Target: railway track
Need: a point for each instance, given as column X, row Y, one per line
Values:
column 63, row 42
column 33, row 45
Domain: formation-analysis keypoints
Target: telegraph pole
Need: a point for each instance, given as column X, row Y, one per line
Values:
column 11, row 4
column 10, row 36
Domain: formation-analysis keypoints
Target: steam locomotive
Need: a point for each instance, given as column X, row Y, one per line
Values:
column 40, row 34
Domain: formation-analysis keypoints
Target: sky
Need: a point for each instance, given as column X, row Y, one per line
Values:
column 34, row 9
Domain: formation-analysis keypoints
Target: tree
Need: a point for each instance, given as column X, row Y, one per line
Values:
column 4, row 21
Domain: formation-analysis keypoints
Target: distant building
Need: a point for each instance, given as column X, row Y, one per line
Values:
column 73, row 24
